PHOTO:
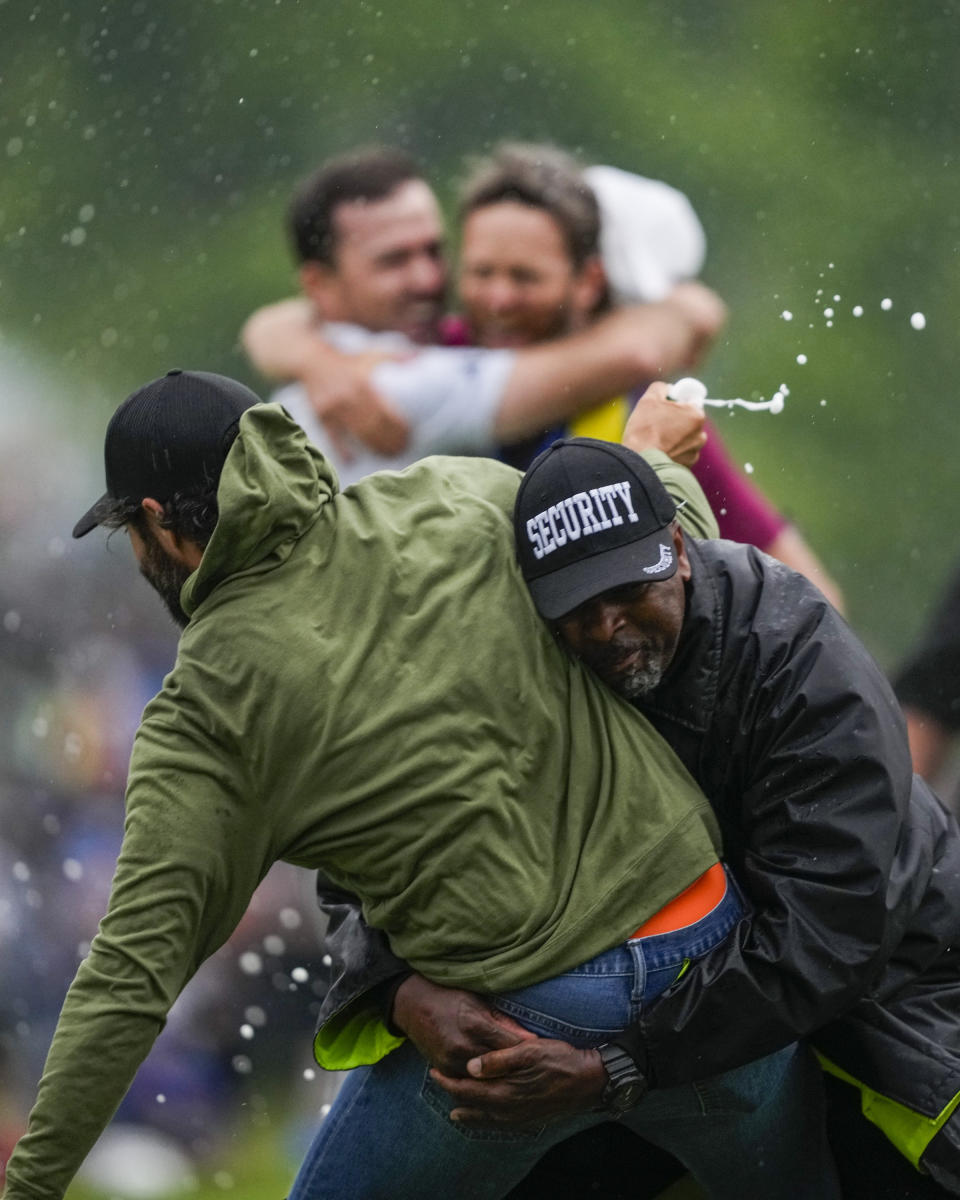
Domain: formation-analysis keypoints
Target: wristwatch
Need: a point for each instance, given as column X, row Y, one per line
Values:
column 625, row 1084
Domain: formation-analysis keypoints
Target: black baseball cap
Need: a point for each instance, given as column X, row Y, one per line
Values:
column 590, row 516
column 171, row 435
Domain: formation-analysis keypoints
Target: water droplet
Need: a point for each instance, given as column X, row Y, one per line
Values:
column 251, row 963
column 73, row 745
column 858, row 310
column 886, row 304
column 300, row 975
column 828, row 312
column 72, row 869
column 246, row 1032
column 11, row 621
column 918, row 320
column 309, row 1074
column 290, row 918
column 801, row 359
column 274, row 944
column 327, row 960
column 748, row 467
column 21, row 872
column 786, row 315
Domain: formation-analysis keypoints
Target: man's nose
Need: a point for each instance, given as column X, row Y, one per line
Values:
column 427, row 275
column 501, row 296
column 603, row 620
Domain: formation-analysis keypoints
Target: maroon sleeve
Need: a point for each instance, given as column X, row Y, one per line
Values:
column 454, row 331
column 743, row 513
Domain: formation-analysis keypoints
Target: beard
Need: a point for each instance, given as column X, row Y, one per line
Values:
column 637, row 678
column 165, row 576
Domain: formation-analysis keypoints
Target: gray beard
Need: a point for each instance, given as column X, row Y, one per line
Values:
column 639, row 680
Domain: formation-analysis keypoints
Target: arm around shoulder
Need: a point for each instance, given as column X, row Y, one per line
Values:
column 619, row 352
column 669, row 435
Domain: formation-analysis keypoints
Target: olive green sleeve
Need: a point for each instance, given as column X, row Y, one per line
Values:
column 696, row 515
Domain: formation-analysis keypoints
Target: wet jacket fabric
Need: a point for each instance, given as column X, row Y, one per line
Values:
column 851, row 862
column 365, row 687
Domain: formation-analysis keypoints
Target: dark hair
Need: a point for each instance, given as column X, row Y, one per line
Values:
column 543, row 177
column 191, row 514
column 369, row 174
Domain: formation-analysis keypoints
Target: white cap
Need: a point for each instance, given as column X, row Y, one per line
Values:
column 650, row 237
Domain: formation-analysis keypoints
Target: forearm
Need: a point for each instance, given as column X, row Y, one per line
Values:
column 556, row 381
column 283, row 340
column 929, row 742
column 95, row 1053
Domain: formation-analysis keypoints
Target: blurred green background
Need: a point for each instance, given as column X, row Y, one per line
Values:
column 149, row 151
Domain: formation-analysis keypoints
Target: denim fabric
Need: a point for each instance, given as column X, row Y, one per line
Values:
column 599, row 998
column 757, row 1131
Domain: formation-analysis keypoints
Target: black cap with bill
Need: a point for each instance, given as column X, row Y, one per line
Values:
column 169, row 436
column 590, row 516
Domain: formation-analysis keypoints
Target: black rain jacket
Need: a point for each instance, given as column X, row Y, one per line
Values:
column 850, row 861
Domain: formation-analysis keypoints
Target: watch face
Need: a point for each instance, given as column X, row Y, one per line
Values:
column 625, row 1086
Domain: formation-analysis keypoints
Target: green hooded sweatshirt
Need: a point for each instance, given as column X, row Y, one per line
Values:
column 365, row 687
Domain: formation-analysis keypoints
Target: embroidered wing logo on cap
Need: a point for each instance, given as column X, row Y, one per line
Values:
column 666, row 558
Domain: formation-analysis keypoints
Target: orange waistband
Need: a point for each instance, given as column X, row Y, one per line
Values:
column 694, row 902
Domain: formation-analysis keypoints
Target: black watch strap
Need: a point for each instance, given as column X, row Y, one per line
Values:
column 626, row 1083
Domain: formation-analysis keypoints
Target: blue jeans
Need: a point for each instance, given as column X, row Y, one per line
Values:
column 589, row 1004
column 756, row 1131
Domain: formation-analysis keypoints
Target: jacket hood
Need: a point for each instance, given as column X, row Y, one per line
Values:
column 273, row 487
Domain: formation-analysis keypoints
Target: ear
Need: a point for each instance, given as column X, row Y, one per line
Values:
column 589, row 286
column 683, row 562
column 319, row 283
column 181, row 550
